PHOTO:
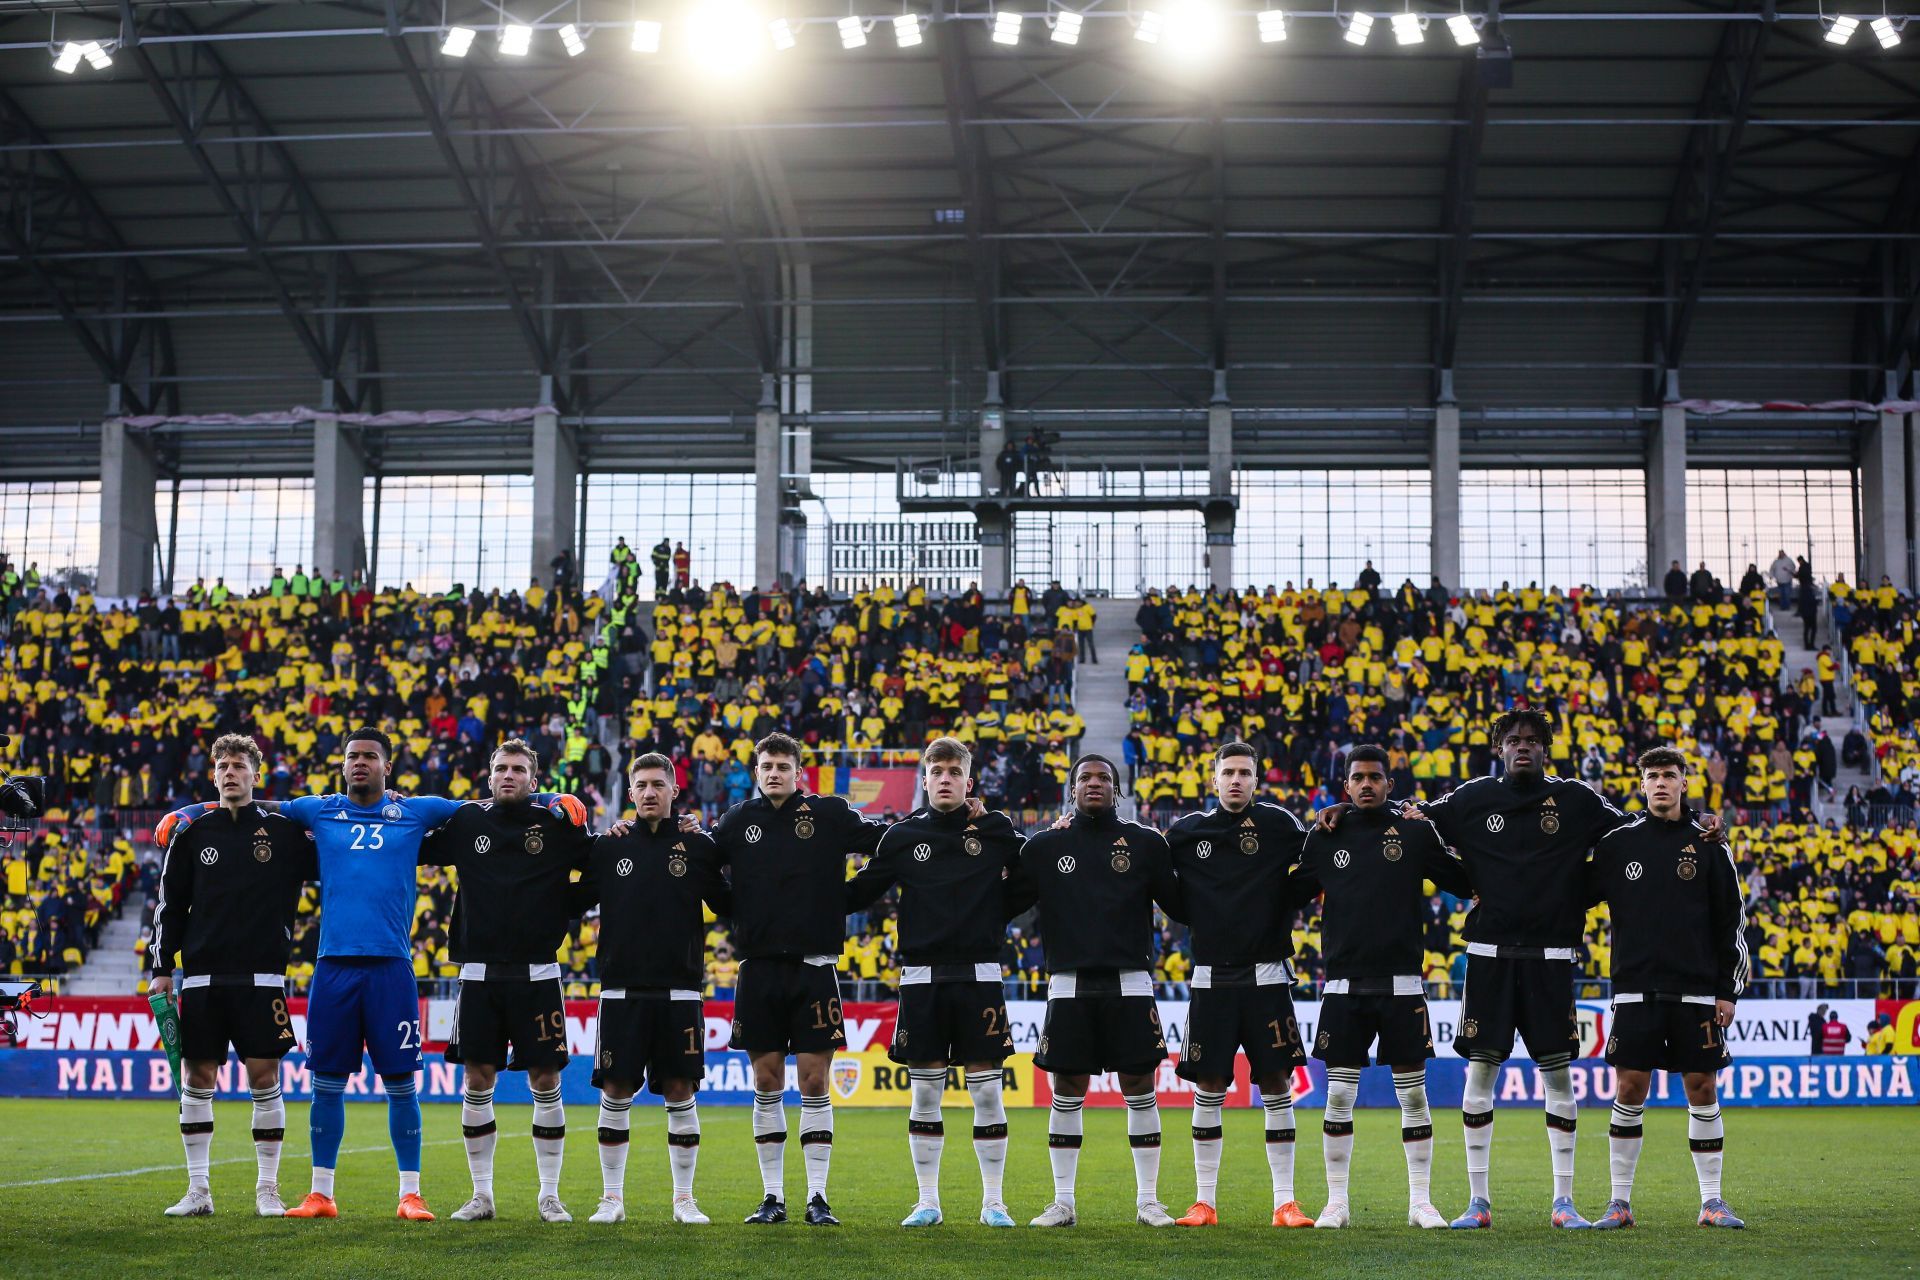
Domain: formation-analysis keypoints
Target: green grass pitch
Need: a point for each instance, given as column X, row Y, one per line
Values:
column 82, row 1183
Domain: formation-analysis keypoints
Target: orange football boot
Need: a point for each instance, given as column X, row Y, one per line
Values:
column 413, row 1209
column 1201, row 1215
column 1291, row 1214
column 315, row 1206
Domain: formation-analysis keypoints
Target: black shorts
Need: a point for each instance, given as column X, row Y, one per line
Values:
column 1533, row 997
column 489, row 1015
column 787, row 1006
column 1666, row 1035
column 1223, row 1020
column 252, row 1019
column 951, row 1022
column 1349, row 1024
column 1086, row 1035
column 653, row 1036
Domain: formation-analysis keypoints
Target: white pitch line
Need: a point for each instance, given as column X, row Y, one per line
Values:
column 166, row 1168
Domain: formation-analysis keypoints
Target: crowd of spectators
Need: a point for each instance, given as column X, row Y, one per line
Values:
column 115, row 702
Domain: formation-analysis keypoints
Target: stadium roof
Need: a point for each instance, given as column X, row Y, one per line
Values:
column 260, row 205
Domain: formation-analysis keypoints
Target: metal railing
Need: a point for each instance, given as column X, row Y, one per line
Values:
column 1057, row 476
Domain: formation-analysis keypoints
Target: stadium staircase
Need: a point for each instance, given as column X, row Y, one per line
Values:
column 1100, row 690
column 1798, row 658
column 113, row 967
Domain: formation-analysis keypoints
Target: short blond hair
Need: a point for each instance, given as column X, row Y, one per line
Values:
column 238, row 744
column 941, row 750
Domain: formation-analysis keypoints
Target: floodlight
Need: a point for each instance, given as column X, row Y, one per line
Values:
column 68, row 60
column 1841, row 29
column 780, row 31
column 515, row 40
column 458, row 41
column 852, row 33
column 1273, row 26
column 1464, row 32
column 906, row 30
column 1359, row 28
column 97, row 57
column 1066, row 27
column 1881, row 26
column 1006, row 27
column 1148, row 32
column 646, row 37
column 574, row 42
column 1406, row 28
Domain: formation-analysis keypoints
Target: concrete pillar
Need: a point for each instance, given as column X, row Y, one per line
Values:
column 1883, row 501
column 1444, row 496
column 1220, row 438
column 556, row 481
column 129, row 533
column 1667, row 496
column 766, row 490
column 1220, row 520
column 993, row 436
column 996, row 550
column 339, row 501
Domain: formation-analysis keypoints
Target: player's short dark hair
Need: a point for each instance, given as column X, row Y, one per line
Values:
column 1523, row 717
column 374, row 736
column 1367, row 754
column 1663, row 758
column 517, row 747
column 1237, row 751
column 945, row 750
column 651, row 760
column 1091, row 758
column 776, row 744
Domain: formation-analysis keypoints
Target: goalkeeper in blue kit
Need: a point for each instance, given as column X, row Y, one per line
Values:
column 363, row 997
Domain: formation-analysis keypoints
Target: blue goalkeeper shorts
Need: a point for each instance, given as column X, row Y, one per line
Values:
column 357, row 1002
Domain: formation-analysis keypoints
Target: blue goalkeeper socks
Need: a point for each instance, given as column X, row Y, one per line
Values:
column 403, row 1121
column 327, row 1120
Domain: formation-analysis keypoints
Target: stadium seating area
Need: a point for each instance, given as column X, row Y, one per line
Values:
column 116, row 705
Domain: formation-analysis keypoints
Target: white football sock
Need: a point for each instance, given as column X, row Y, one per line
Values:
column 683, row 1144
column 1416, row 1133
column 1206, row 1144
column 816, row 1141
column 1343, row 1088
column 1476, row 1116
column 1623, row 1147
column 269, row 1131
column 322, row 1182
column 989, row 1132
column 549, row 1139
column 616, row 1124
column 1706, row 1134
column 1064, row 1124
column 1562, row 1115
column 1143, row 1135
column 480, row 1133
column 770, row 1142
column 409, row 1182
column 196, row 1133
column 1280, row 1145
column 926, row 1129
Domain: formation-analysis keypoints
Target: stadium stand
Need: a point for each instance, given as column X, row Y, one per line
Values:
column 116, row 703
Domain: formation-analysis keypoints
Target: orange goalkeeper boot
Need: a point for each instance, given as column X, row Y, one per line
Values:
column 1291, row 1214
column 314, row 1206
column 413, row 1209
column 1201, row 1215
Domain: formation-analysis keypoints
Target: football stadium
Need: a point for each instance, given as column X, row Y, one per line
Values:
column 1052, row 638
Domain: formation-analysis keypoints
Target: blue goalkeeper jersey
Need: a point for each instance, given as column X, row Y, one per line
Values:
column 369, row 857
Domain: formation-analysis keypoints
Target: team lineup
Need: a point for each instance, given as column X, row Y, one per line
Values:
column 1532, row 851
